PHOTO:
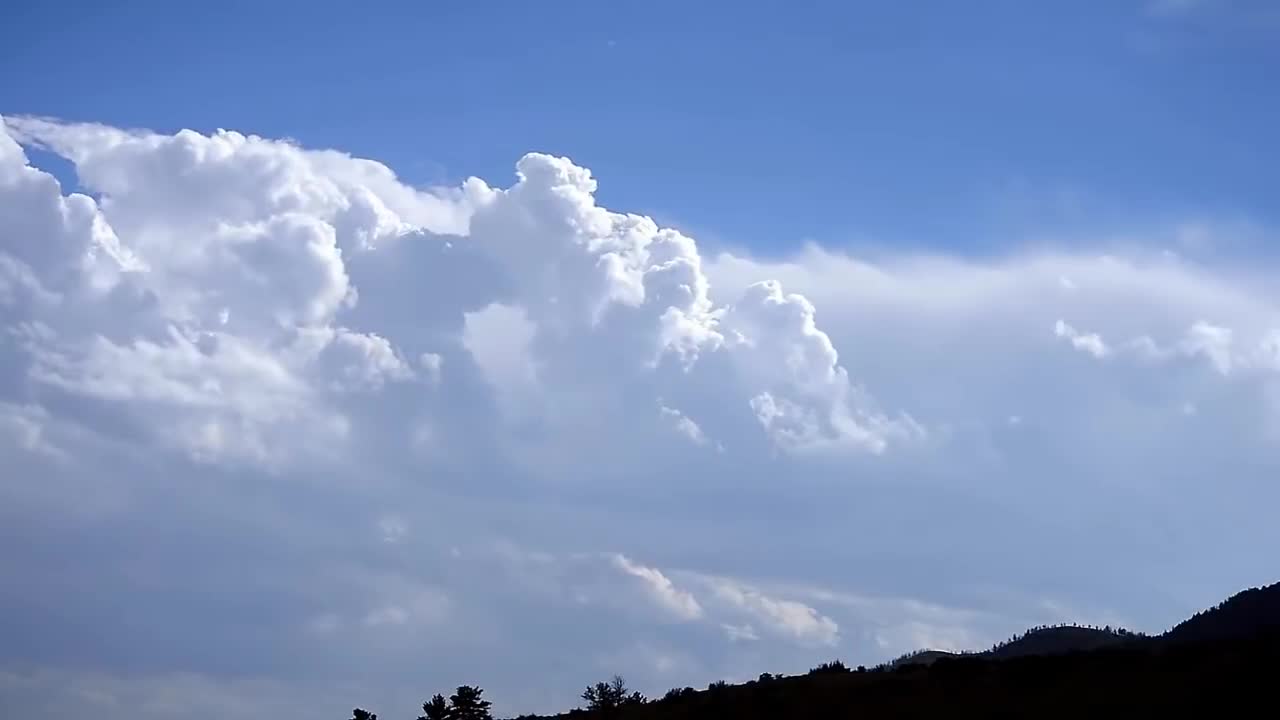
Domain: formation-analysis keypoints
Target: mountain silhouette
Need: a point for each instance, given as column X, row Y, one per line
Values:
column 1059, row 640
column 1248, row 612
column 919, row 657
column 1048, row 640
column 1252, row 611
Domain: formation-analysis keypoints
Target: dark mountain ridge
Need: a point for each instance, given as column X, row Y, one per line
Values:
column 1246, row 613
column 1044, row 640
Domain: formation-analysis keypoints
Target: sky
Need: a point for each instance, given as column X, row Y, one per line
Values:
column 350, row 354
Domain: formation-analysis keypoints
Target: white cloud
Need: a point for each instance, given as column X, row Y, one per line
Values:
column 676, row 601
column 499, row 338
column 682, row 424
column 432, row 365
column 788, row 617
column 1085, row 342
column 218, row 307
column 237, row 178
column 23, row 426
column 237, row 272
column 268, row 363
column 364, row 360
column 1211, row 341
column 806, row 399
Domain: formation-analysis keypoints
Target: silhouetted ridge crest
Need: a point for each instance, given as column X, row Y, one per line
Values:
column 1247, row 612
column 1059, row 639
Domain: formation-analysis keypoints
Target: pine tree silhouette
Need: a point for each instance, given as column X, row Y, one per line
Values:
column 437, row 708
column 466, row 704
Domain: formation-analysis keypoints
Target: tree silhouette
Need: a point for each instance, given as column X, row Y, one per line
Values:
column 835, row 666
column 610, row 695
column 437, row 708
column 466, row 704
column 359, row 714
column 676, row 694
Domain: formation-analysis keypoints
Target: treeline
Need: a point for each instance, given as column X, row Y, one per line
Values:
column 601, row 699
column 466, row 703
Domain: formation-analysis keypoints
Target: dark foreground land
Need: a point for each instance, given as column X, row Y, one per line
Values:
column 1213, row 679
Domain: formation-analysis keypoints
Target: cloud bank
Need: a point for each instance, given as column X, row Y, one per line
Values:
column 308, row 431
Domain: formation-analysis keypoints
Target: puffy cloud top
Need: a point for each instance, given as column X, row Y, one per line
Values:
column 229, row 262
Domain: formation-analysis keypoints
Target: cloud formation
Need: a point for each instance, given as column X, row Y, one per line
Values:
column 236, row 290
column 1084, row 342
column 369, row 433
column 788, row 617
column 681, row 603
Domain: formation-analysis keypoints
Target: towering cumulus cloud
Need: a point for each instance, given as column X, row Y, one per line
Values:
column 281, row 434
column 228, row 292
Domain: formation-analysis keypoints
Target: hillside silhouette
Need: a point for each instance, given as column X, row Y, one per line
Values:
column 1246, row 613
column 1043, row 640
column 1062, row 639
column 1219, row 661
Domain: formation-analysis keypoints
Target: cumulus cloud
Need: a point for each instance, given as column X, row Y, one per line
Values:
column 234, row 264
column 365, row 360
column 604, row 294
column 237, row 371
column 236, row 178
column 217, row 311
column 1211, row 343
column 1085, row 342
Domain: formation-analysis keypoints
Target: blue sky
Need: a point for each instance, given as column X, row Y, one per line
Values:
column 351, row 354
column 924, row 123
